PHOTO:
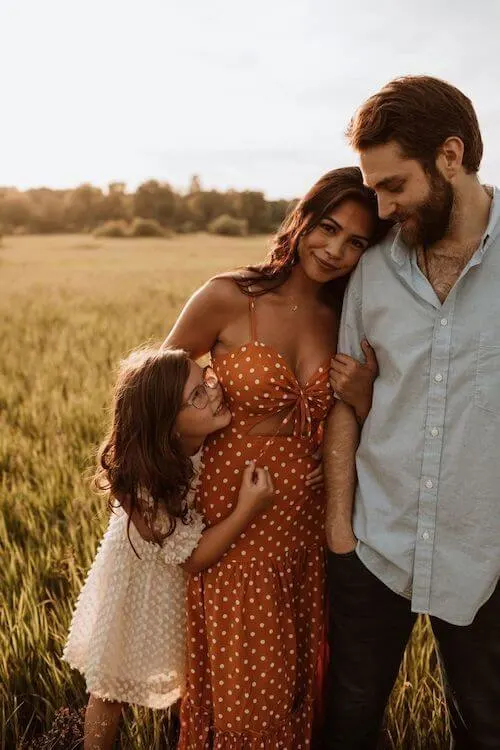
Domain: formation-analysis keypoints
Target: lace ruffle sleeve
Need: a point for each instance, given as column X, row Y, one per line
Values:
column 179, row 545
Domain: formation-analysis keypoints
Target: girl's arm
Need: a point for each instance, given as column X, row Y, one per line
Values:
column 254, row 496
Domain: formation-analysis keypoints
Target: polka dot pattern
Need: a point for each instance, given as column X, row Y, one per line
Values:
column 255, row 619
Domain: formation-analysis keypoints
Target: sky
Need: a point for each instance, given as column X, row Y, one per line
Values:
column 248, row 94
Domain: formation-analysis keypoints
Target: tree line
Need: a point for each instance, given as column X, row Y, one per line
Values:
column 87, row 208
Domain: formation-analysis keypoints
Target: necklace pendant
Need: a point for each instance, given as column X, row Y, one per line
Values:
column 294, row 308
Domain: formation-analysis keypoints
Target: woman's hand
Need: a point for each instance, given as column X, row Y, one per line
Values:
column 352, row 381
column 315, row 479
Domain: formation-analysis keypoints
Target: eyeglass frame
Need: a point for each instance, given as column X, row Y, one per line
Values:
column 208, row 372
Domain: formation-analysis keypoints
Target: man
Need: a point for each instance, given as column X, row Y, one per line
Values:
column 423, row 534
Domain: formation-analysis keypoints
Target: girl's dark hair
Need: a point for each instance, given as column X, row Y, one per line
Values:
column 327, row 193
column 141, row 453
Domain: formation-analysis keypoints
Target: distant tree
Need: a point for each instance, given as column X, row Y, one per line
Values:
column 15, row 209
column 47, row 211
column 116, row 204
column 83, row 208
column 155, row 200
column 86, row 208
column 253, row 207
column 195, row 185
column 206, row 206
column 278, row 211
column 229, row 226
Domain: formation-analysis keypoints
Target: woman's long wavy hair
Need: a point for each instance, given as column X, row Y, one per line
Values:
column 326, row 194
column 142, row 453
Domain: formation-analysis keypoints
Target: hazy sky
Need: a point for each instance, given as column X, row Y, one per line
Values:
column 245, row 93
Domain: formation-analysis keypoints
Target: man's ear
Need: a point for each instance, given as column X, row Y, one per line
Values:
column 450, row 157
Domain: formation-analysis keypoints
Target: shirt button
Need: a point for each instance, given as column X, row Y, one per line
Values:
column 438, row 377
column 444, row 321
column 426, row 535
column 434, row 432
column 429, row 484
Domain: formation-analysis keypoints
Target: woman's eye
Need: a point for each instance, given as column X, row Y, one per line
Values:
column 329, row 228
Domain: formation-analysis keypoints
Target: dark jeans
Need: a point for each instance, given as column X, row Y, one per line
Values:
column 369, row 629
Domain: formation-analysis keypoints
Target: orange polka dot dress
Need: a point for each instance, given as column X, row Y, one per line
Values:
column 256, row 619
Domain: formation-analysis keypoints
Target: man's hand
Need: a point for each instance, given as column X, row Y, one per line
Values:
column 352, row 381
column 340, row 540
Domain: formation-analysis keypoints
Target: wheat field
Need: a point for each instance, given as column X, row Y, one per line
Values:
column 70, row 307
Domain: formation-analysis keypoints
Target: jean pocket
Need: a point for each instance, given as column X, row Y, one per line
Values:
column 487, row 390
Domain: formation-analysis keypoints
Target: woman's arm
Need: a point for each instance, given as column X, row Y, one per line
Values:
column 204, row 317
column 353, row 381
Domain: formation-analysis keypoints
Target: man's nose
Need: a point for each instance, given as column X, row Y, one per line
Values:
column 386, row 208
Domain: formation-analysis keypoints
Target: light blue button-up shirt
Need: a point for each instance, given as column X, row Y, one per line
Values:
column 427, row 509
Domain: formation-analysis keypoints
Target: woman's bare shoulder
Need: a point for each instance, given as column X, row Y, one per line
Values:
column 222, row 291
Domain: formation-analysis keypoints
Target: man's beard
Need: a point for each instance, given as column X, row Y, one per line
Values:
column 430, row 221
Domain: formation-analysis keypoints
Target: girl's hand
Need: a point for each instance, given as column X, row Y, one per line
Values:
column 256, row 491
column 352, row 381
column 315, row 479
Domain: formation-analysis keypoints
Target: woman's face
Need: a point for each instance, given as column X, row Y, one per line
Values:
column 333, row 248
column 203, row 410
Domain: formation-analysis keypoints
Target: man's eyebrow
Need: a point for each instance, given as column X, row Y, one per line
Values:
column 387, row 181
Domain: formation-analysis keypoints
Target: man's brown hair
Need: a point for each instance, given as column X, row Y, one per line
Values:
column 419, row 113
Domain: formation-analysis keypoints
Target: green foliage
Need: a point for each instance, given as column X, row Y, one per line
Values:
column 228, row 226
column 87, row 208
column 187, row 227
column 146, row 228
column 155, row 200
column 112, row 229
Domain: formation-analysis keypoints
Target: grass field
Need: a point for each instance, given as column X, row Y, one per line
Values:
column 70, row 307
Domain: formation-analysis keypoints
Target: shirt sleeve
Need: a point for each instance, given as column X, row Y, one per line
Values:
column 351, row 331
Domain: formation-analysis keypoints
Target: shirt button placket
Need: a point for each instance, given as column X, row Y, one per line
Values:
column 433, row 445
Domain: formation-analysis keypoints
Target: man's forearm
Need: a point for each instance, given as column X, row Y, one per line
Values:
column 341, row 442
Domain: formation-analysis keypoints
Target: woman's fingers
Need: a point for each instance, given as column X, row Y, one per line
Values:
column 315, row 478
column 371, row 359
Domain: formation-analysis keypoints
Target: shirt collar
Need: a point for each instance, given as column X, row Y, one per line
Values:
column 400, row 252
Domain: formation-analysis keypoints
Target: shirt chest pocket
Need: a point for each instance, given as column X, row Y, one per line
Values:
column 487, row 391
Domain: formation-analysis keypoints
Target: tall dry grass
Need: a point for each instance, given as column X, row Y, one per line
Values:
column 70, row 307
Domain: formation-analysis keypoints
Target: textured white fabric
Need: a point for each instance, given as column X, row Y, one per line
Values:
column 127, row 636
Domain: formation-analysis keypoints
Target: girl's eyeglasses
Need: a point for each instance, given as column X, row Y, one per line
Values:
column 199, row 398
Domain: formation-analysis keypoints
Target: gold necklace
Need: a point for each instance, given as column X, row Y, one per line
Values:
column 292, row 304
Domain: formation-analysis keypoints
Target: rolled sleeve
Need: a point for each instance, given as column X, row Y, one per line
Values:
column 351, row 331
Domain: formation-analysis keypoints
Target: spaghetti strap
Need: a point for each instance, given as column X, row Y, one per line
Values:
column 253, row 323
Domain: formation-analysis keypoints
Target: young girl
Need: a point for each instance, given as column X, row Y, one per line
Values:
column 127, row 635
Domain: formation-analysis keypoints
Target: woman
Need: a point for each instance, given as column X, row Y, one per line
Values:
column 255, row 620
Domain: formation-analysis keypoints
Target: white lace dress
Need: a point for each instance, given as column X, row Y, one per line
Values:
column 127, row 635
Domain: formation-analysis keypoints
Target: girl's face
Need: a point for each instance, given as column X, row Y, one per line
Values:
column 333, row 248
column 203, row 409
